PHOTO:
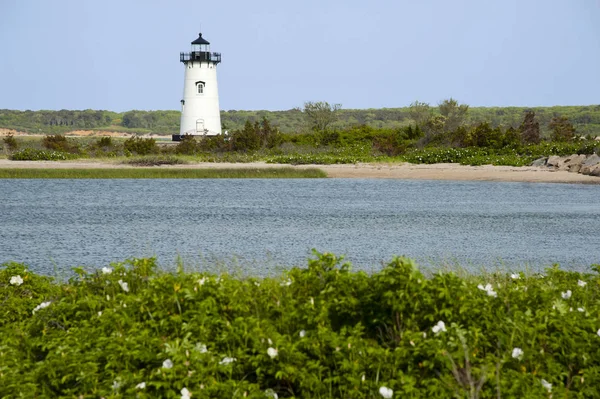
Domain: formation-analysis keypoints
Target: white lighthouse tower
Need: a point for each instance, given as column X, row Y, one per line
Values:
column 200, row 113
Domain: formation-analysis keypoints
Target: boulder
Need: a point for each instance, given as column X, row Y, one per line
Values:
column 572, row 163
column 591, row 160
column 590, row 163
column 595, row 171
column 539, row 162
column 553, row 161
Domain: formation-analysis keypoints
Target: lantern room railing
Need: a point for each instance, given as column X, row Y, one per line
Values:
column 200, row 56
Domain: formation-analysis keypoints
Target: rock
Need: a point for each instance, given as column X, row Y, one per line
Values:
column 539, row 162
column 591, row 160
column 571, row 162
column 595, row 171
column 553, row 161
column 589, row 164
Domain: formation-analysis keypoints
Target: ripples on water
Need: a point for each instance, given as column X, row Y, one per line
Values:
column 258, row 226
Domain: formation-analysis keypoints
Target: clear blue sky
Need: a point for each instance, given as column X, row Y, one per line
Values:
column 123, row 55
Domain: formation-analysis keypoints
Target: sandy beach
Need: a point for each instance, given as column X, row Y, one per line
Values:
column 363, row 170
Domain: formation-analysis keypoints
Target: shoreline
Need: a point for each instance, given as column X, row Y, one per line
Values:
column 442, row 171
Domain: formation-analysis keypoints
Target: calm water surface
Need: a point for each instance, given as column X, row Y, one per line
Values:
column 259, row 225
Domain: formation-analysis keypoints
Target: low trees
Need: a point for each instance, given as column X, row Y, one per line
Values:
column 562, row 129
column 321, row 115
column 530, row 129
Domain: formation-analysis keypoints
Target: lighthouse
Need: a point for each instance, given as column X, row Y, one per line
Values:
column 200, row 113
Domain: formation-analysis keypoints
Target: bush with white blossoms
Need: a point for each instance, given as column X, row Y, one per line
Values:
column 393, row 332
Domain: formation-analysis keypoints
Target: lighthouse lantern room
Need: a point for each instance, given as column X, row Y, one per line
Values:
column 200, row 114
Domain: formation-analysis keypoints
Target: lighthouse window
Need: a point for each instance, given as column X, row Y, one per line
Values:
column 200, row 88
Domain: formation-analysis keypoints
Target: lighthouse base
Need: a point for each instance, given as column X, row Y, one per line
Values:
column 179, row 137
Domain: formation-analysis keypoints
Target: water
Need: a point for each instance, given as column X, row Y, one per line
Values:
column 259, row 226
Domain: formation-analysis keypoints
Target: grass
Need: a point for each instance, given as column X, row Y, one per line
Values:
column 154, row 173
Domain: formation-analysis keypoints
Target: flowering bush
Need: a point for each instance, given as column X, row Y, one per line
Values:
column 320, row 331
column 31, row 154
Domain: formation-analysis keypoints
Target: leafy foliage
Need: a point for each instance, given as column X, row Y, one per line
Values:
column 323, row 331
column 140, row 146
column 530, row 129
column 59, row 142
column 10, row 142
column 320, row 115
column 562, row 129
column 31, row 154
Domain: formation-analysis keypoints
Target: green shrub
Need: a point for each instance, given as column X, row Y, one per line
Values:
column 318, row 332
column 156, row 160
column 140, row 146
column 60, row 143
column 30, row 154
column 187, row 146
column 10, row 142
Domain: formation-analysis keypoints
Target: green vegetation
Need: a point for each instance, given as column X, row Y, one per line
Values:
column 442, row 134
column 586, row 119
column 131, row 330
column 161, row 173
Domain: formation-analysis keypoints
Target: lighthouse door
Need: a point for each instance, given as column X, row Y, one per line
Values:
column 200, row 126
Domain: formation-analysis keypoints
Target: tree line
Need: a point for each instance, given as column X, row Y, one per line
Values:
column 585, row 119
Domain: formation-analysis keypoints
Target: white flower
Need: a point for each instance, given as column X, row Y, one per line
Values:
column 141, row 385
column 566, row 294
column 272, row 352
column 363, row 378
column 116, row 385
column 547, row 385
column 124, row 285
column 488, row 288
column 440, row 326
column 16, row 280
column 287, row 283
column 598, row 333
column 227, row 360
column 386, row 392
column 515, row 276
column 99, row 313
column 185, row 394
column 581, row 283
column 167, row 364
column 107, row 297
column 202, row 281
column 581, row 309
column 517, row 353
column 41, row 306
column 269, row 341
column 269, row 393
column 302, row 334
column 106, row 270
column 200, row 347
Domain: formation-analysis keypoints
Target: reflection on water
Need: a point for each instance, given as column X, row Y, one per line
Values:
column 256, row 225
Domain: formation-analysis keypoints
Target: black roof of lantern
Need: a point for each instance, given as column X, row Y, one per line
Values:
column 200, row 40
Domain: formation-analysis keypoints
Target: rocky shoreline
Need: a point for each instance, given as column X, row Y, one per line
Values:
column 577, row 163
